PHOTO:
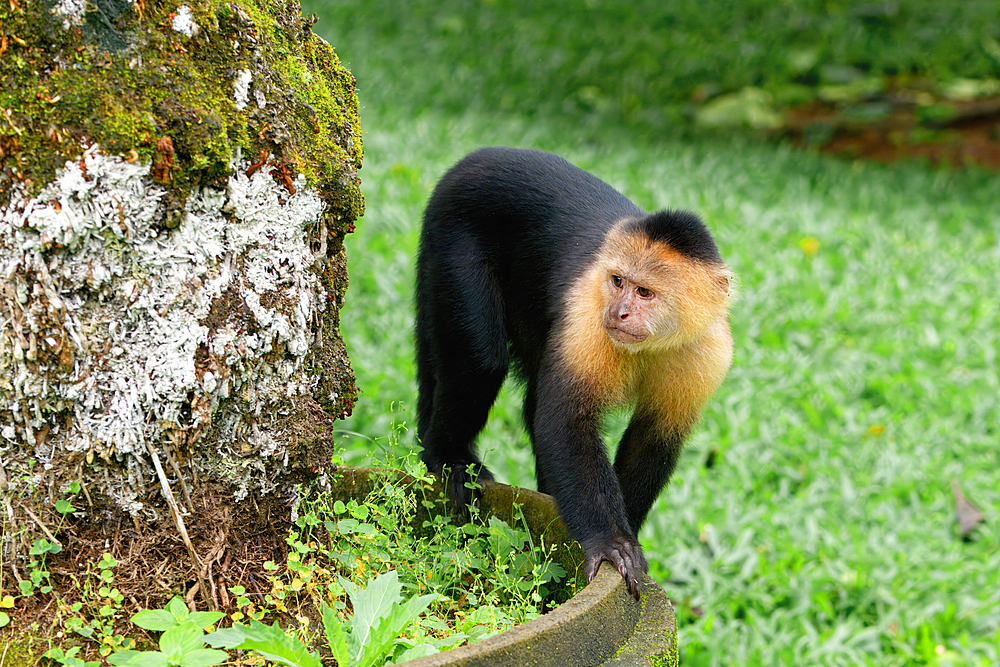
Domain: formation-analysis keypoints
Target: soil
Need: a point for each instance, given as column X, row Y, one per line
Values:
column 958, row 133
column 233, row 541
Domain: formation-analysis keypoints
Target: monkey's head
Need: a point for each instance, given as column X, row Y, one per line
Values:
column 655, row 295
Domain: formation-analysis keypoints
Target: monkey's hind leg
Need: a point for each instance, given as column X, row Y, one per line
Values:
column 459, row 409
column 462, row 362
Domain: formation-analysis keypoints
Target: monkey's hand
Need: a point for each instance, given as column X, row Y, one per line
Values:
column 622, row 552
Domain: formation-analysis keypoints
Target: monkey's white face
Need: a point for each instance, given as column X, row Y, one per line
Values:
column 640, row 306
column 634, row 312
column 654, row 298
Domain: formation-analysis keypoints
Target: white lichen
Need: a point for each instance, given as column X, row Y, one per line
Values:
column 107, row 312
column 71, row 12
column 184, row 22
column 241, row 89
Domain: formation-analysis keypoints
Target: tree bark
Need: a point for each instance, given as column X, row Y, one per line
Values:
column 176, row 182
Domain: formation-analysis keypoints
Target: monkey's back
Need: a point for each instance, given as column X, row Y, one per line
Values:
column 496, row 200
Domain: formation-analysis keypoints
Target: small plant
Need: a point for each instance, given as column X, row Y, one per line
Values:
column 366, row 638
column 69, row 658
column 97, row 611
column 38, row 575
column 469, row 566
column 245, row 607
column 181, row 644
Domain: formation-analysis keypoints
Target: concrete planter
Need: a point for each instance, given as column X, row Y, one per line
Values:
column 600, row 625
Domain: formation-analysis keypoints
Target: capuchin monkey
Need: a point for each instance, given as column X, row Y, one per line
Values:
column 525, row 258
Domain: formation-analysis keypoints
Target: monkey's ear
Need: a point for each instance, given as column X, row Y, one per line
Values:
column 730, row 284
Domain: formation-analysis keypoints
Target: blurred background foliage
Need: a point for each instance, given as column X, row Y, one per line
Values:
column 812, row 519
column 651, row 64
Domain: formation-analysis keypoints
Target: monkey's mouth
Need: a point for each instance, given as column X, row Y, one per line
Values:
column 623, row 336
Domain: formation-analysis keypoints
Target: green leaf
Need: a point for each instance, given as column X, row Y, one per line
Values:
column 56, row 654
column 181, row 640
column 204, row 657
column 272, row 643
column 383, row 639
column 4, row 619
column 229, row 637
column 139, row 659
column 268, row 640
column 42, row 546
column 178, row 609
column 203, row 619
column 372, row 604
column 286, row 654
column 64, row 507
column 119, row 658
column 154, row 619
column 418, row 651
column 336, row 635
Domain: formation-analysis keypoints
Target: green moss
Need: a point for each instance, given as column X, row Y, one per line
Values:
column 126, row 78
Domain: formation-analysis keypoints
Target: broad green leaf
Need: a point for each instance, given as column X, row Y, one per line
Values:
column 286, row 653
column 449, row 641
column 203, row 619
column 178, row 609
column 229, row 637
column 181, row 640
column 4, row 619
column 268, row 640
column 119, row 658
column 204, row 657
column 383, row 638
column 418, row 651
column 139, row 659
column 336, row 635
column 42, row 546
column 64, row 507
column 274, row 644
column 154, row 619
column 373, row 603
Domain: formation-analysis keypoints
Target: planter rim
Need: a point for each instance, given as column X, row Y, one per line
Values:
column 601, row 625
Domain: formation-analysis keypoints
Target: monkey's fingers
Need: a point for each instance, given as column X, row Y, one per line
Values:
column 627, row 559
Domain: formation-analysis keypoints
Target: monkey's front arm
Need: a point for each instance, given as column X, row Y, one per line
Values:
column 574, row 468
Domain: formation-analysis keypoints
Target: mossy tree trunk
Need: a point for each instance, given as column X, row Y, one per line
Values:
column 177, row 179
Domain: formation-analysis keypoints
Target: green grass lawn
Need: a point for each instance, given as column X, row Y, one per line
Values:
column 867, row 336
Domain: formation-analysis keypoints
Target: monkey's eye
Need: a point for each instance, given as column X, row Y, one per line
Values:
column 617, row 281
column 645, row 292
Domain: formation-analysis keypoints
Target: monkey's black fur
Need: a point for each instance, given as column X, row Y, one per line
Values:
column 506, row 235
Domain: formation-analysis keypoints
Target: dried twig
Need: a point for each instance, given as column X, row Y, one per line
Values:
column 168, row 495
column 41, row 525
column 177, row 471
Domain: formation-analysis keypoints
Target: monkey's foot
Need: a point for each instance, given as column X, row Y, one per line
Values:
column 623, row 553
column 462, row 483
